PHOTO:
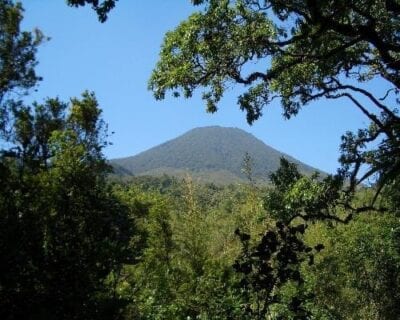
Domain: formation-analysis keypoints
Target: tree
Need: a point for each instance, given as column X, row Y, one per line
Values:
column 63, row 232
column 356, row 276
column 102, row 8
column 273, row 263
column 64, row 235
column 17, row 58
column 304, row 51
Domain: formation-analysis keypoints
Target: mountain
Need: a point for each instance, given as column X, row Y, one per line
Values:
column 212, row 154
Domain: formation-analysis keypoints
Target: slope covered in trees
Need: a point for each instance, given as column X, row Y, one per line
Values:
column 211, row 153
column 226, row 252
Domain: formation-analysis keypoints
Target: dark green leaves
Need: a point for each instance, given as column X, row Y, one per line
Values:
column 272, row 263
column 63, row 232
column 17, row 53
column 102, row 7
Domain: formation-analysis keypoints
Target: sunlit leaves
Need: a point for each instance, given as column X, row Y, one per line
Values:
column 209, row 50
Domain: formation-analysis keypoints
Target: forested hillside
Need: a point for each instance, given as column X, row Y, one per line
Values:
column 213, row 154
column 76, row 244
column 224, row 252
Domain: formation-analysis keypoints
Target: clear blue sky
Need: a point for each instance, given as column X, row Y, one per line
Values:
column 115, row 60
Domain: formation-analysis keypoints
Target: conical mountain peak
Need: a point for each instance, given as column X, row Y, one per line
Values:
column 207, row 152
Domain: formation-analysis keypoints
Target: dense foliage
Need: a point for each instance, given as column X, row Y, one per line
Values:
column 232, row 252
column 75, row 246
column 63, row 232
column 64, row 235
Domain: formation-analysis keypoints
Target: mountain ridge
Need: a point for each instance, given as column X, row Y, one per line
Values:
column 204, row 150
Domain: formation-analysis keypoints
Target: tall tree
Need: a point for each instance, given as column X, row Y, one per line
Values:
column 17, row 58
column 63, row 232
column 304, row 51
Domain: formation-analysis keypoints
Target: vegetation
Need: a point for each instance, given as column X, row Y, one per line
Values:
column 73, row 245
column 63, row 232
column 232, row 252
column 102, row 7
column 64, row 236
column 304, row 51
